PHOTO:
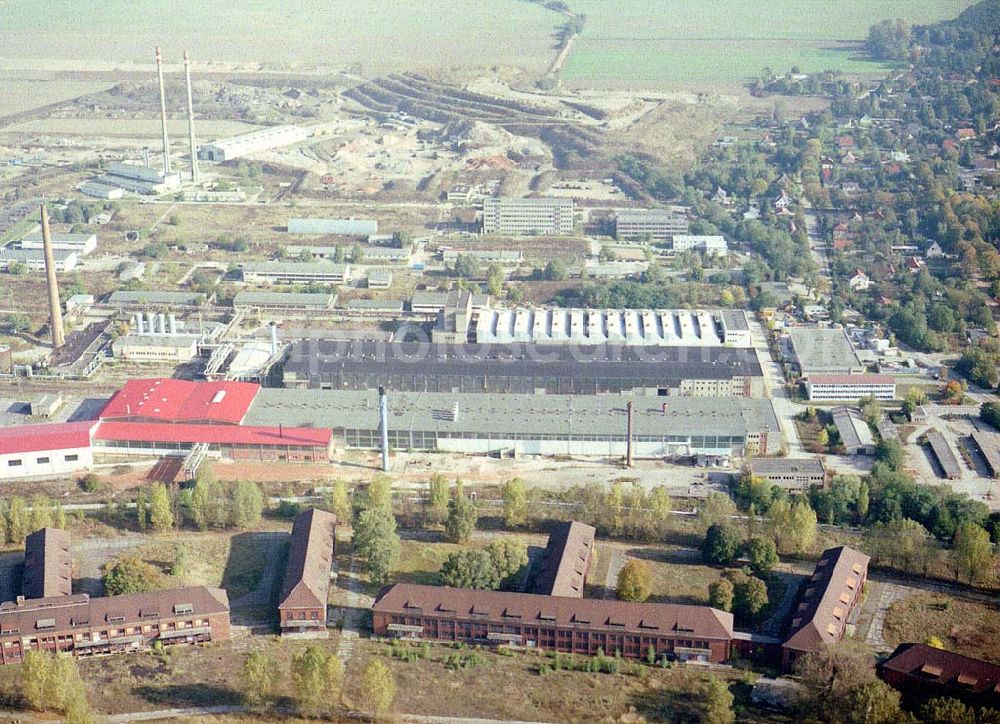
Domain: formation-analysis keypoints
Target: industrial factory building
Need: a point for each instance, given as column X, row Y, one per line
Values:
column 281, row 272
column 639, row 327
column 34, row 259
column 161, row 418
column 502, row 369
column 145, row 299
column 850, row 388
column 584, row 425
column 822, row 351
column 155, row 348
column 285, row 301
column 528, row 217
column 144, row 180
column 83, row 244
column 708, row 244
column 263, row 140
column 650, row 224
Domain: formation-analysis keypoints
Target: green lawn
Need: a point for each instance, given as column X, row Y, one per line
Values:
column 681, row 41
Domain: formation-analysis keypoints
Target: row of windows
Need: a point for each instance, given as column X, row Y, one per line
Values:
column 18, row 462
column 214, row 447
column 427, row 440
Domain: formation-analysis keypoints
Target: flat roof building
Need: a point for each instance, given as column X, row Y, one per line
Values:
column 652, row 224
column 282, row 300
column 282, row 272
column 790, row 473
column 821, row 350
column 34, row 259
column 48, row 564
column 850, row 388
column 504, row 368
column 587, row 425
column 831, row 594
column 563, row 567
column 28, row 451
column 155, row 348
column 425, row 302
column 83, row 244
column 139, row 179
column 264, row 139
column 156, row 299
column 306, row 586
column 709, row 244
column 528, row 217
column 553, row 623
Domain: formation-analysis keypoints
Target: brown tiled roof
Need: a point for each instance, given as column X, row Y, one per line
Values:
column 310, row 553
column 935, row 666
column 821, row 615
column 48, row 565
column 661, row 619
column 80, row 612
column 562, row 568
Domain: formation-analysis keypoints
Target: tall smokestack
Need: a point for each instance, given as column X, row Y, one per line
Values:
column 274, row 339
column 55, row 313
column 163, row 112
column 628, row 438
column 194, row 150
column 383, row 413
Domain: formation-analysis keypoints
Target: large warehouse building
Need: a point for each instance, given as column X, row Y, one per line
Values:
column 263, row 140
column 500, row 369
column 646, row 327
column 528, row 217
column 583, row 425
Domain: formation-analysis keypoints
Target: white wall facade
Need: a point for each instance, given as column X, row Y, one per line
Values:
column 45, row 463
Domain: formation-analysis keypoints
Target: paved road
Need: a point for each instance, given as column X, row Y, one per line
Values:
column 774, row 386
column 353, row 614
column 888, row 594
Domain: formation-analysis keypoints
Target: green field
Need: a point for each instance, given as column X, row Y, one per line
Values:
column 670, row 42
column 379, row 34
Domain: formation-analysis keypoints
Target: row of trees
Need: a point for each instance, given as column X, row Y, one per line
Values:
column 20, row 517
column 52, row 683
column 208, row 504
column 316, row 679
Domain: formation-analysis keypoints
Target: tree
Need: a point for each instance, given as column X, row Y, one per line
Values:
column 509, row 556
column 749, row 595
column 891, row 453
column 207, row 504
column 259, row 678
column 494, row 280
column 142, row 509
column 792, row 525
column 130, row 574
column 763, row 554
column 942, row 710
column 555, row 271
column 990, row 414
column 467, row 266
column 515, row 502
column 634, row 581
column 338, row 501
column 376, row 540
column 41, row 512
column 35, row 679
column 830, row 676
column 248, row 505
column 972, row 551
column 316, row 677
column 378, row 688
column 718, row 703
column 462, row 517
column 161, row 516
column 438, row 498
column 721, row 545
column 720, row 594
column 660, row 507
column 378, row 495
column 753, row 490
column 51, row 682
column 18, row 520
column 873, row 702
column 470, row 569
column 717, row 508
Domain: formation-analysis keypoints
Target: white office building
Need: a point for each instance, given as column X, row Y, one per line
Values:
column 528, row 217
column 850, row 388
column 652, row 224
column 709, row 244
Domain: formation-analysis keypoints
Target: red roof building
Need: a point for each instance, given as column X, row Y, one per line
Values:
column 924, row 672
column 45, row 438
column 181, row 401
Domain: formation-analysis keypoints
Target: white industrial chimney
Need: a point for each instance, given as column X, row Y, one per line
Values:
column 194, row 149
column 163, row 112
column 172, row 321
column 139, row 327
column 274, row 339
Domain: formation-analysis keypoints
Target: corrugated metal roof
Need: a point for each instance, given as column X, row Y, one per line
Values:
column 173, row 400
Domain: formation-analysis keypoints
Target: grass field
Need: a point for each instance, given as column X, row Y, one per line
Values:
column 379, row 34
column 686, row 41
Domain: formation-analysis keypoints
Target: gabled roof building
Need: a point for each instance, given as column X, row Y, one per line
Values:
column 302, row 607
column 924, row 672
column 820, row 619
column 563, row 567
column 48, row 564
